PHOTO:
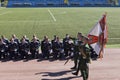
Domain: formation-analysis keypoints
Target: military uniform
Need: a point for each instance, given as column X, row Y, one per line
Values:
column 24, row 49
column 2, row 50
column 77, row 43
column 84, row 59
column 46, row 46
column 13, row 49
column 34, row 48
column 66, row 46
column 6, row 41
column 57, row 49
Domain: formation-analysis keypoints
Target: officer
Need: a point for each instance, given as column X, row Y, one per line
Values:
column 13, row 49
column 34, row 47
column 77, row 42
column 2, row 49
column 43, row 44
column 84, row 59
column 24, row 48
column 66, row 45
column 46, row 48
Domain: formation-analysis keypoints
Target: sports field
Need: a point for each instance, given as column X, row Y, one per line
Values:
column 59, row 21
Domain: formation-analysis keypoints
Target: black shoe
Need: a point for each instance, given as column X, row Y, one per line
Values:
column 80, row 75
column 73, row 68
column 75, row 73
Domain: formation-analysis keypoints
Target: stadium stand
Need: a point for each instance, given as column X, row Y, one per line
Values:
column 62, row 3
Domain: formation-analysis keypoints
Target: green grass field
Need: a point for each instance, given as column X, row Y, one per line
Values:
column 41, row 21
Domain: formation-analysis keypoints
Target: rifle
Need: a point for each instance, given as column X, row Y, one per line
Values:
column 66, row 62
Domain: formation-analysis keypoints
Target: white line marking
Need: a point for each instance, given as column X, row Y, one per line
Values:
column 5, row 13
column 52, row 15
column 114, row 38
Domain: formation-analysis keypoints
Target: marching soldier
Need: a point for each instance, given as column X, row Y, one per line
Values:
column 13, row 49
column 77, row 42
column 2, row 49
column 34, row 47
column 84, row 59
column 24, row 48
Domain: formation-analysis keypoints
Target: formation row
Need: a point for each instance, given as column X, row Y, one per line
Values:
column 23, row 48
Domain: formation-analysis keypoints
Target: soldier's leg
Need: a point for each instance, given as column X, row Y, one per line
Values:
column 83, row 71
column 77, row 70
column 75, row 63
column 87, row 72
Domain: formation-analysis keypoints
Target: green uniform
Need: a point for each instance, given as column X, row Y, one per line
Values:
column 76, row 52
column 83, row 62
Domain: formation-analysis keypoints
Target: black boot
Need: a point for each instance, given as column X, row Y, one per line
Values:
column 73, row 67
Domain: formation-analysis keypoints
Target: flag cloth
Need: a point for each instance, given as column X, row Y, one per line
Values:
column 98, row 36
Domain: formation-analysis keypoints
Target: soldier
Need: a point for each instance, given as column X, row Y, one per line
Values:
column 24, row 48
column 34, row 47
column 53, row 44
column 46, row 46
column 35, row 37
column 71, row 48
column 77, row 42
column 43, row 44
column 84, row 59
column 2, row 49
column 55, row 37
column 13, row 49
column 6, row 41
column 57, row 48
column 66, row 45
column 15, row 39
column 26, row 39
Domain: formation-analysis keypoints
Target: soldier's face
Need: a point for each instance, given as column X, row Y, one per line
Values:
column 85, row 41
column 79, row 37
